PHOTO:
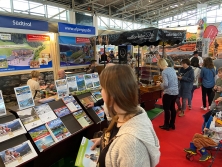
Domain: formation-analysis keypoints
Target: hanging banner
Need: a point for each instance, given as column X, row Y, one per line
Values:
column 24, row 52
column 206, row 45
column 210, row 32
column 122, row 50
column 76, row 29
column 21, row 23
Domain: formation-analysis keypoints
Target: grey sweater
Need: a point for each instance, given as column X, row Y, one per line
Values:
column 136, row 144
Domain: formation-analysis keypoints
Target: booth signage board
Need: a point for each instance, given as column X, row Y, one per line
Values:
column 21, row 23
column 206, row 45
column 122, row 50
column 75, row 51
column 24, row 52
column 210, row 32
column 76, row 29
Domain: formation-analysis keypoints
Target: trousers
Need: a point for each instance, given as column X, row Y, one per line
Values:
column 200, row 141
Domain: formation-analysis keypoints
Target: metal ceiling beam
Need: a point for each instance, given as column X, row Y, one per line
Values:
column 57, row 14
column 91, row 2
column 128, row 5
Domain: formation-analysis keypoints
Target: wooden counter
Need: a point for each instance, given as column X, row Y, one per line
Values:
column 149, row 95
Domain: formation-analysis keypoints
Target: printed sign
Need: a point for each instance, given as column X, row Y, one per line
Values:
column 210, row 32
column 76, row 29
column 82, row 40
column 31, row 37
column 5, row 37
column 21, row 23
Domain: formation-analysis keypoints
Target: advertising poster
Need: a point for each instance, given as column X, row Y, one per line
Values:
column 62, row 88
column 2, row 105
column 75, row 51
column 24, row 52
column 72, row 84
column 24, row 97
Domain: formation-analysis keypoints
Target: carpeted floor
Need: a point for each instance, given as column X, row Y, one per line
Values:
column 173, row 142
column 154, row 113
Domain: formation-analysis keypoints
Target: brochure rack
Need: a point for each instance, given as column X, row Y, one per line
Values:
column 14, row 141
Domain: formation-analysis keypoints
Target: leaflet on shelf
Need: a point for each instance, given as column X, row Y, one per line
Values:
column 2, row 105
column 99, row 112
column 95, row 80
column 80, row 82
column 87, row 157
column 11, row 129
column 86, row 100
column 82, row 118
column 45, row 113
column 24, row 97
column 72, row 84
column 88, row 81
column 42, row 137
column 57, row 129
column 29, row 118
column 62, row 111
column 62, row 88
column 97, row 95
column 71, row 103
column 18, row 155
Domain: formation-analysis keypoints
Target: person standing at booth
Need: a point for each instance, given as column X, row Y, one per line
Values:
column 170, row 86
column 33, row 82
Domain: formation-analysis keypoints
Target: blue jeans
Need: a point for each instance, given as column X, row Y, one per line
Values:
column 207, row 123
column 191, row 97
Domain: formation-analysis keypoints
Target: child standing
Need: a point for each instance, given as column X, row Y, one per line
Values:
column 217, row 89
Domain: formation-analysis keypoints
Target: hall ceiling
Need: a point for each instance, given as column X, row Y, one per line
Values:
column 142, row 11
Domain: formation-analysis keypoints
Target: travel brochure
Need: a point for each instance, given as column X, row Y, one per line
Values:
column 42, row 137
column 45, row 113
column 62, row 88
column 72, row 84
column 11, row 129
column 80, row 82
column 24, row 97
column 97, row 95
column 82, row 118
column 17, row 155
column 71, row 103
column 87, row 157
column 29, row 118
column 95, row 80
column 86, row 100
column 57, row 129
column 2, row 105
column 88, row 81
column 62, row 111
column 99, row 112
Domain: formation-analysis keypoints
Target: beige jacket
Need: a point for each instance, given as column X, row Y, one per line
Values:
column 136, row 145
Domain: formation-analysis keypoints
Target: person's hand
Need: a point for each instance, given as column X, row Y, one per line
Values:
column 215, row 87
column 90, row 104
column 219, row 89
column 158, row 83
column 219, row 99
column 179, row 77
column 96, row 142
column 205, row 129
column 214, row 118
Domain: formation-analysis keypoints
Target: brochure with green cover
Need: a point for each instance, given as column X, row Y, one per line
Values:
column 87, row 157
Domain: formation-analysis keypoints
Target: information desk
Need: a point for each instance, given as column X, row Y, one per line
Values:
column 67, row 147
column 149, row 95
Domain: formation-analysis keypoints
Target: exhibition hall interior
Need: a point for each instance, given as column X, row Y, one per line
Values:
column 110, row 83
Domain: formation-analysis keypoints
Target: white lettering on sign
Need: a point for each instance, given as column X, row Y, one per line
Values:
column 22, row 23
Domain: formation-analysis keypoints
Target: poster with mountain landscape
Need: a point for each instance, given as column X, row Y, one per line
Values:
column 75, row 51
column 24, row 51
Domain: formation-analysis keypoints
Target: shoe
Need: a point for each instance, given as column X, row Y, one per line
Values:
column 164, row 127
column 181, row 114
column 178, row 110
column 172, row 127
column 209, row 107
column 205, row 155
column 189, row 107
column 204, row 108
column 190, row 151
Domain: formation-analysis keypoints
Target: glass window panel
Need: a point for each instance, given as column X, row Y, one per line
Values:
column 211, row 13
column 210, row 20
column 219, row 11
column 184, row 14
column 37, row 9
column 52, row 11
column 174, row 24
column 183, row 23
column 21, row 6
column 112, row 24
column 6, row 5
column 118, row 23
column 219, row 19
column 104, row 21
column 191, row 22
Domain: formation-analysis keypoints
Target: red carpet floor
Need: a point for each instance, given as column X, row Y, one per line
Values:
column 173, row 142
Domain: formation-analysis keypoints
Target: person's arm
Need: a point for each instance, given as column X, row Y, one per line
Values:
column 99, row 103
column 165, row 82
column 189, row 77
